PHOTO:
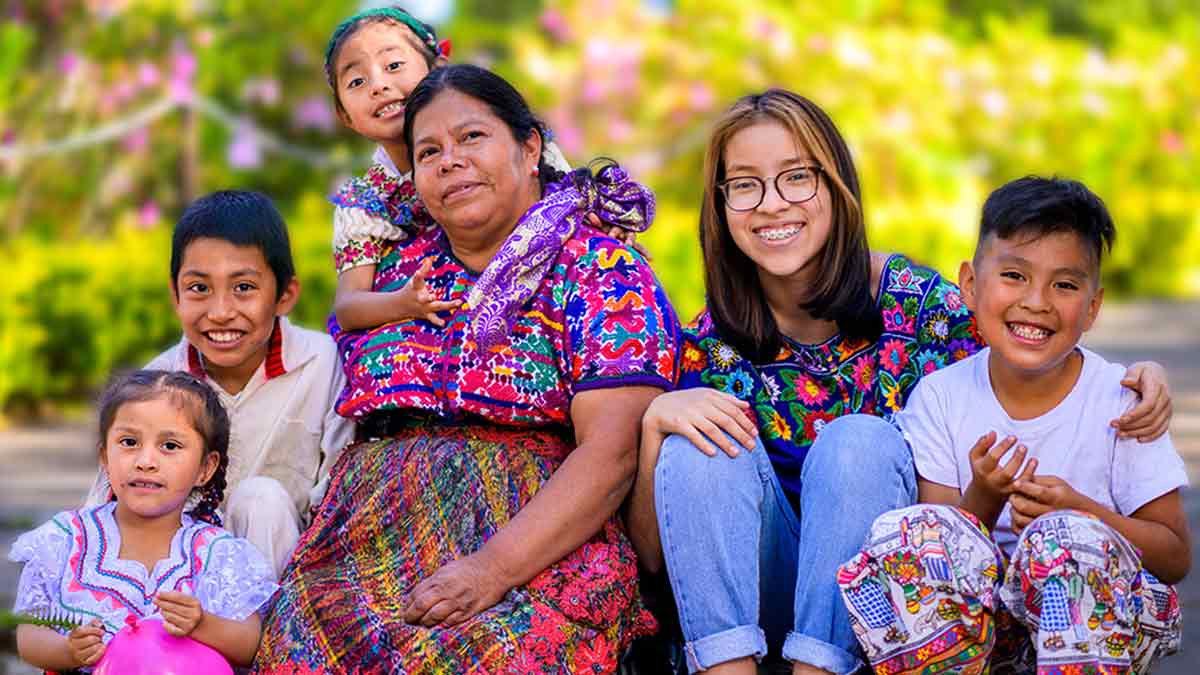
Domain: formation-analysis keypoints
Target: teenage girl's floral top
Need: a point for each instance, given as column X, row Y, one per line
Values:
column 598, row 319
column 926, row 326
column 72, row 570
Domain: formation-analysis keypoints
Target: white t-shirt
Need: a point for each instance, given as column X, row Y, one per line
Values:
column 951, row 408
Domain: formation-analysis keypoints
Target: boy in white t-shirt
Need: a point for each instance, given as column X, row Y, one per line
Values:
column 1016, row 441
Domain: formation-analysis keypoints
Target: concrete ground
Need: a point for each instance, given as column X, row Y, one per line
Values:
column 50, row 468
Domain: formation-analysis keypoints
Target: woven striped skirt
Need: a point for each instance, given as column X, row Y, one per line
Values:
column 400, row 508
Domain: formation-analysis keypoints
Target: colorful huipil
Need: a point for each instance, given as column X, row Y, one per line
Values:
column 487, row 428
column 73, row 569
column 926, row 326
column 931, row 592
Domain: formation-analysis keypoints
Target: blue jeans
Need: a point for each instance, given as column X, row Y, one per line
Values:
column 735, row 547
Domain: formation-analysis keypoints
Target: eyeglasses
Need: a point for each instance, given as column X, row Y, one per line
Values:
column 795, row 185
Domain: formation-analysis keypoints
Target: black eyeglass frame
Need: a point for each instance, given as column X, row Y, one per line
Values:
column 762, row 192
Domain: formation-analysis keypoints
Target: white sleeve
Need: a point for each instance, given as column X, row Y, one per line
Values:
column 237, row 580
column 923, row 421
column 337, row 432
column 1143, row 472
column 44, row 552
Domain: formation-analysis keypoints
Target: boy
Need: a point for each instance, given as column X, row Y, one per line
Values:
column 1018, row 438
column 233, row 283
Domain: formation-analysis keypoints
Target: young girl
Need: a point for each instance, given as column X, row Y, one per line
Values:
column 372, row 63
column 164, row 438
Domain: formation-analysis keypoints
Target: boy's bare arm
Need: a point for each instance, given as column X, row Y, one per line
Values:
column 1159, row 529
column 929, row 492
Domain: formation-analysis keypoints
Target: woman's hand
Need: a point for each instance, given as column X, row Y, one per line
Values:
column 454, row 593
column 704, row 417
column 181, row 612
column 1150, row 417
column 627, row 237
column 85, row 644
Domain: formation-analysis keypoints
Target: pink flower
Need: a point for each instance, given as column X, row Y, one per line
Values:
column 147, row 74
column 555, row 24
column 244, row 151
column 137, row 140
column 700, row 96
column 149, row 214
column 68, row 62
column 893, row 357
column 810, row 391
column 313, row 113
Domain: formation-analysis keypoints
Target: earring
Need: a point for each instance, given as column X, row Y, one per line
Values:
column 537, row 170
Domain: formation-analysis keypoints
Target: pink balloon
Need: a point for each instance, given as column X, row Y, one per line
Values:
column 146, row 648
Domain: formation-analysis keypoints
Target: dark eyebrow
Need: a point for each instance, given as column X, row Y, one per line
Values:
column 456, row 128
column 349, row 64
column 747, row 168
column 245, row 272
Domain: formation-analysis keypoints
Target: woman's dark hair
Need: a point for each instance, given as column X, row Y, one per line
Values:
column 1039, row 206
column 420, row 34
column 842, row 293
column 241, row 218
column 203, row 408
column 501, row 98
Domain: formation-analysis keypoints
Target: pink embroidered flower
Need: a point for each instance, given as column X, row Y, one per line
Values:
column 864, row 373
column 597, row 656
column 810, row 391
column 893, row 357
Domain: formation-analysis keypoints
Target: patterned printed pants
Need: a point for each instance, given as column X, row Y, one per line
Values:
column 930, row 594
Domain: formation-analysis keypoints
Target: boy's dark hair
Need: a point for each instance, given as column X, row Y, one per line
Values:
column 1041, row 206
column 242, row 218
column 203, row 408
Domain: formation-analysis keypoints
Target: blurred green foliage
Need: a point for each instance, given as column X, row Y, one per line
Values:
column 941, row 100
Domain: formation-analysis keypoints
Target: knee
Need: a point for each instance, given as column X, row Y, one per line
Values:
column 257, row 494
column 888, row 525
column 682, row 466
column 859, row 450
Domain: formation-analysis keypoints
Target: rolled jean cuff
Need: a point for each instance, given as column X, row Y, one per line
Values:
column 735, row 643
column 804, row 649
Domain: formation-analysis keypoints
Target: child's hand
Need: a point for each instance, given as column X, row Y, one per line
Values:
column 181, row 612
column 701, row 415
column 416, row 301
column 989, row 478
column 85, row 643
column 627, row 237
column 1037, row 495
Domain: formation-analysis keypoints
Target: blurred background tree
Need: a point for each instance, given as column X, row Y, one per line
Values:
column 117, row 112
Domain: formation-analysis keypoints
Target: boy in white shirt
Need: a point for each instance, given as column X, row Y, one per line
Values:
column 233, row 282
column 1088, row 527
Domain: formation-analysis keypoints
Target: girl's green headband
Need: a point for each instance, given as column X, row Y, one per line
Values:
column 423, row 32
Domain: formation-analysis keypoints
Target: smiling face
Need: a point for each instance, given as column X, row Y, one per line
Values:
column 376, row 70
column 474, row 177
column 154, row 458
column 782, row 238
column 1033, row 295
column 225, row 298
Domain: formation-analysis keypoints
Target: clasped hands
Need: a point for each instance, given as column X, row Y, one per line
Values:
column 1028, row 494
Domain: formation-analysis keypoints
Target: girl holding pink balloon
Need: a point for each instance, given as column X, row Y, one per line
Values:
column 149, row 579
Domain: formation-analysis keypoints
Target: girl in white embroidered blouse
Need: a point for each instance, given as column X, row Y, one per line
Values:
column 155, row 549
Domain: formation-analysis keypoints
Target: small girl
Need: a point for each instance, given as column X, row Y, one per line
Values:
column 163, row 437
column 373, row 62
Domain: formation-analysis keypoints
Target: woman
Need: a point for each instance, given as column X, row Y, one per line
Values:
column 808, row 342
column 478, row 533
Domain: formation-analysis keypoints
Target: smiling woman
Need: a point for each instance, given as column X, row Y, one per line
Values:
column 474, row 529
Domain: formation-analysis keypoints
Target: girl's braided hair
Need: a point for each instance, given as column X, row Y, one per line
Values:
column 204, row 409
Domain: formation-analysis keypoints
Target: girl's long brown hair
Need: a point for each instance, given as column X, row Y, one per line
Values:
column 842, row 292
